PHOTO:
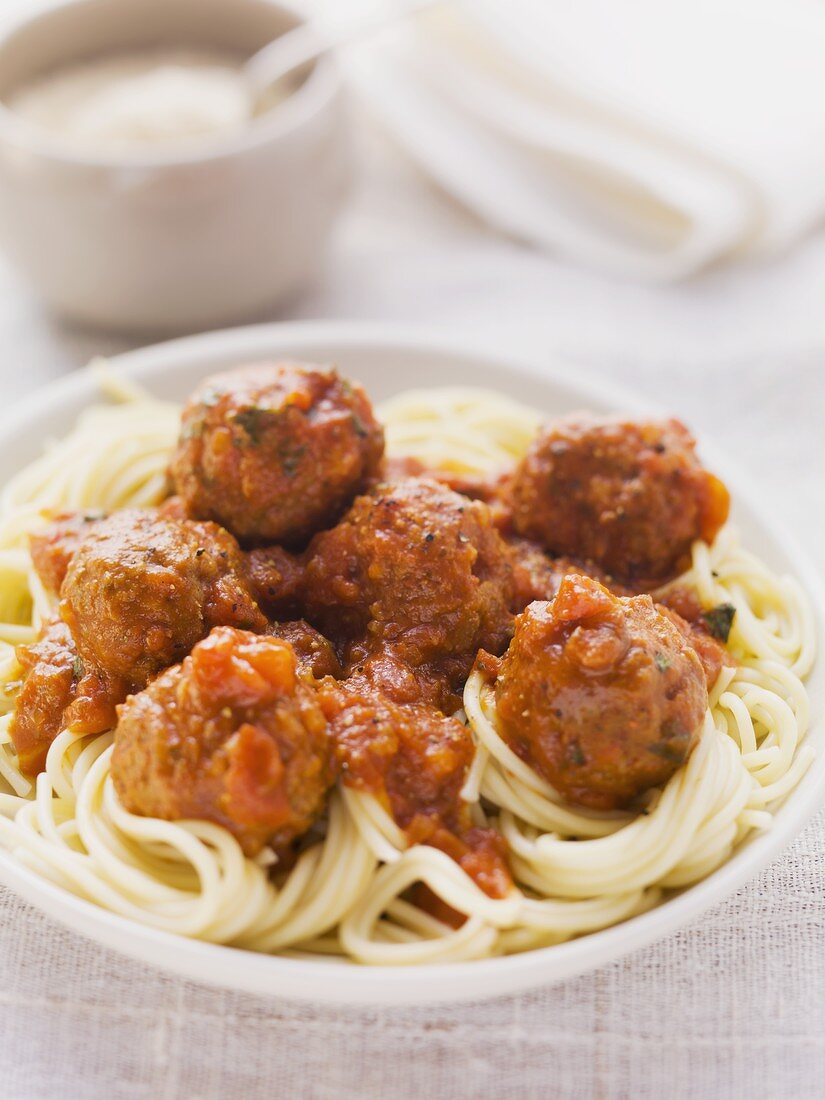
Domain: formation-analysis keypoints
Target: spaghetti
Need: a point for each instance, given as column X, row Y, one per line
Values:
column 347, row 893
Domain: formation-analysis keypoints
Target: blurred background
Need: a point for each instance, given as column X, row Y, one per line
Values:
column 639, row 182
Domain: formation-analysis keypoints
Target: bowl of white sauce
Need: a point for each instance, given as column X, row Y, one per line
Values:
column 142, row 186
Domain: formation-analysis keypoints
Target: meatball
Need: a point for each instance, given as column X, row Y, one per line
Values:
column 415, row 761
column 477, row 487
column 681, row 605
column 600, row 694
column 536, row 576
column 49, row 669
column 141, row 590
column 630, row 495
column 275, row 451
column 276, row 578
column 436, row 683
column 57, row 693
column 416, row 574
column 313, row 652
column 232, row 735
column 53, row 548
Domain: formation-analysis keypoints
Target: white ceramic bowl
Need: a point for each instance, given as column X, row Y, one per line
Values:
column 387, row 360
column 180, row 240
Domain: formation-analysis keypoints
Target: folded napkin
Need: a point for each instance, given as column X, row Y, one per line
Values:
column 645, row 137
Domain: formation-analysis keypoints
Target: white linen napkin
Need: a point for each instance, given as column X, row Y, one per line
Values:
column 645, row 137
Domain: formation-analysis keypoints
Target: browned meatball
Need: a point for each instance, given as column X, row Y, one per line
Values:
column 49, row 668
column 52, row 548
column 706, row 631
column 534, row 574
column 600, row 694
column 276, row 578
column 275, row 451
column 313, row 652
column 141, row 590
column 477, row 487
column 233, row 735
column 630, row 495
column 537, row 576
column 414, row 574
column 57, row 693
column 415, row 761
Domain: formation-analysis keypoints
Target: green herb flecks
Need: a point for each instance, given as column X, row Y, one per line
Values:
column 673, row 729
column 291, row 459
column 674, row 754
column 575, row 755
column 361, row 429
column 719, row 620
column 254, row 422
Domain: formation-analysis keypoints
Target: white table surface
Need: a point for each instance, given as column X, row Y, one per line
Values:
column 732, row 1006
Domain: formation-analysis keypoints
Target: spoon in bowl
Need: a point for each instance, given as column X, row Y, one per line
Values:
column 308, row 42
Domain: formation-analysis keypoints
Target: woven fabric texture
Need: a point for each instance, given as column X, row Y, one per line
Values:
column 731, row 1007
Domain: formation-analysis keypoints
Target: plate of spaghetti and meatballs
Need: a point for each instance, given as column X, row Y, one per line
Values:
column 346, row 665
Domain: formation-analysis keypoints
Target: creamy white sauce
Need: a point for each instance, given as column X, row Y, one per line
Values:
column 134, row 101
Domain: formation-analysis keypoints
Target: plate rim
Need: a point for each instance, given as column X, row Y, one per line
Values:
column 330, row 981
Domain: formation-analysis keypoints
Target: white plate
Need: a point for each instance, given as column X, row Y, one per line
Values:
column 388, row 360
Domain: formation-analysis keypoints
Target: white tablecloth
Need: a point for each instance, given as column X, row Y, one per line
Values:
column 732, row 1006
